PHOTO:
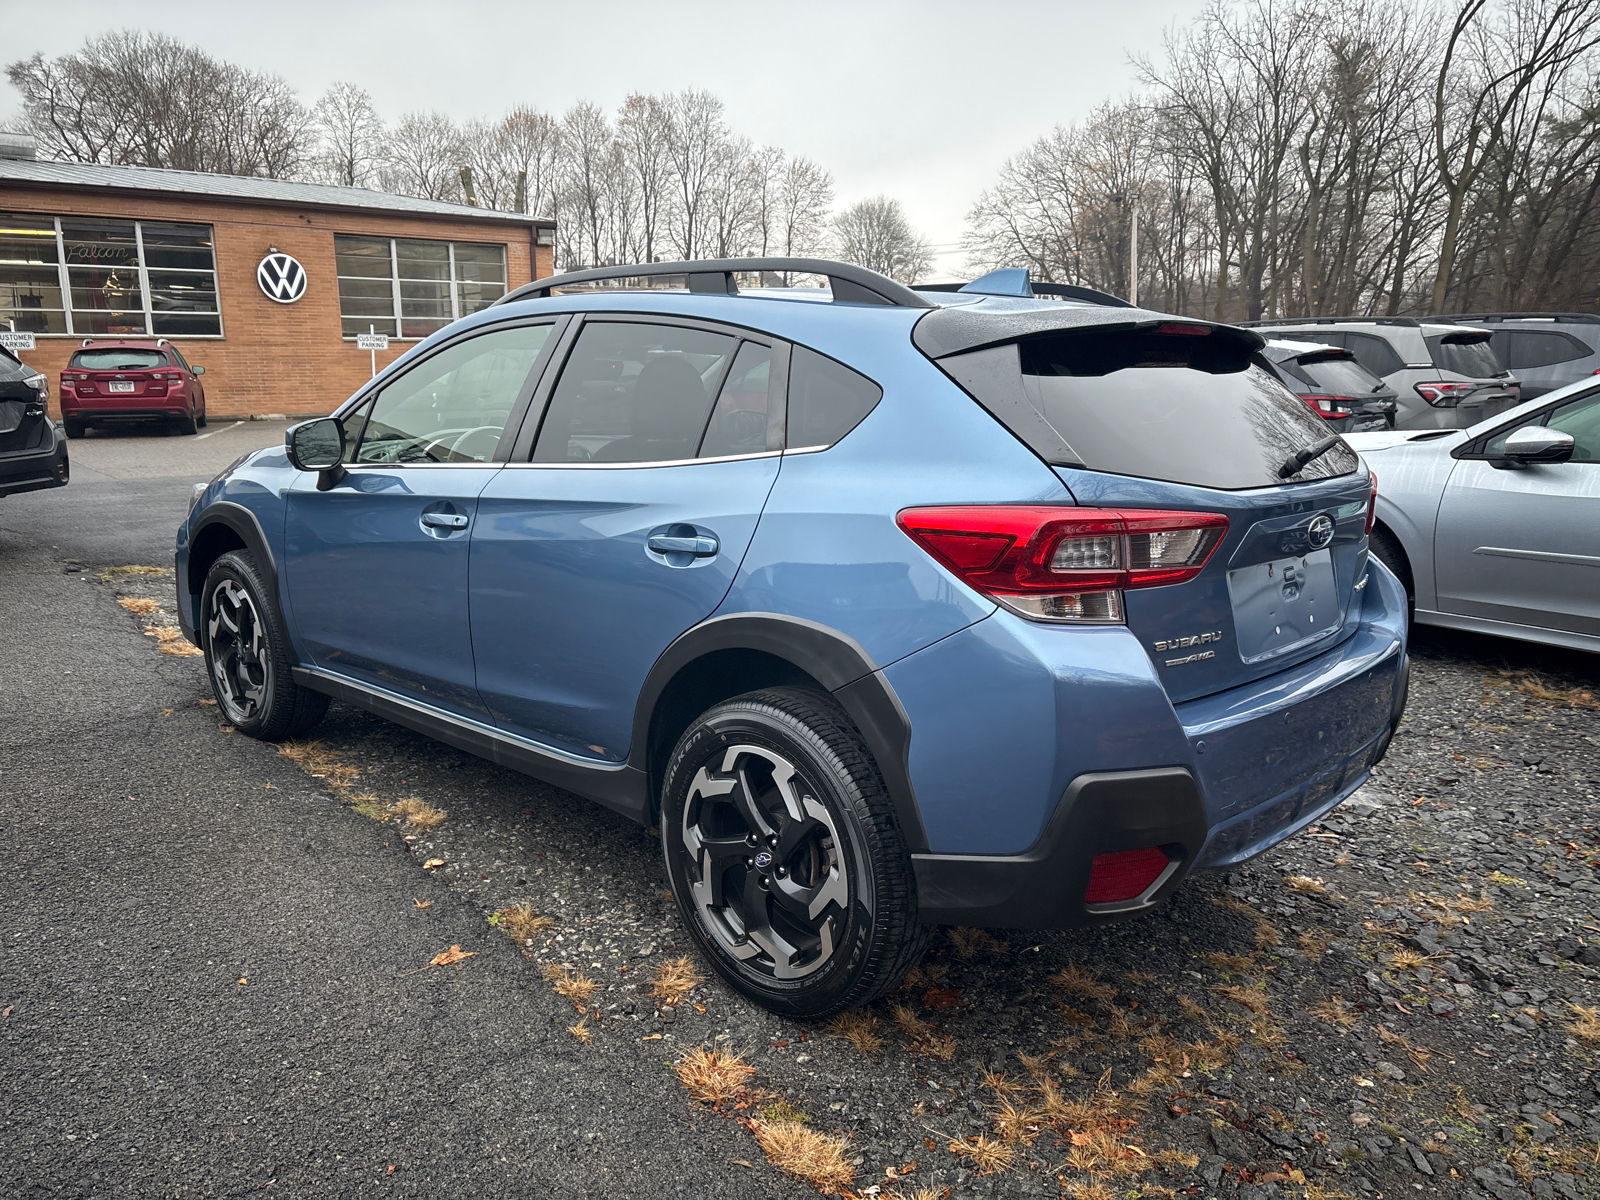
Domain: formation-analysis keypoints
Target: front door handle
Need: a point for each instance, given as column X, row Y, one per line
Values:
column 445, row 520
column 700, row 547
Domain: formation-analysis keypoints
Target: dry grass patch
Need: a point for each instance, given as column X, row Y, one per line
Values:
column 522, row 923
column 1268, row 935
column 926, row 1193
column 574, row 985
column 1501, row 879
column 1536, row 687
column 967, row 942
column 924, row 1038
column 122, row 572
column 1232, row 964
column 674, row 980
column 419, row 814
column 581, row 1031
column 1313, row 943
column 1253, row 998
column 857, row 1027
column 171, row 641
column 1307, row 885
column 925, row 975
column 1408, row 958
column 1334, row 1011
column 713, row 1076
column 1585, row 1025
column 1073, row 980
column 142, row 605
column 1192, row 1011
column 805, row 1154
column 1018, row 1126
column 987, row 1154
column 319, row 762
column 365, row 804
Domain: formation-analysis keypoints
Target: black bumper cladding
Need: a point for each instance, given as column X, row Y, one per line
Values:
column 32, row 472
column 1044, row 888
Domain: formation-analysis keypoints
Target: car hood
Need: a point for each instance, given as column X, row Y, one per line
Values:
column 1388, row 439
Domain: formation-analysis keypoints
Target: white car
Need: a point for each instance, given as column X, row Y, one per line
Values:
column 1496, row 528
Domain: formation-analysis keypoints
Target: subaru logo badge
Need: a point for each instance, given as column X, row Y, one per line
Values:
column 281, row 278
column 1320, row 532
column 763, row 860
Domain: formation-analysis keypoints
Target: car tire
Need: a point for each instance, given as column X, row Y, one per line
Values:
column 187, row 424
column 1386, row 548
column 247, row 655
column 74, row 429
column 201, row 419
column 829, row 920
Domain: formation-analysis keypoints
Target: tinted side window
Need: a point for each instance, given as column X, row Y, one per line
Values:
column 1474, row 359
column 1544, row 349
column 452, row 406
column 1373, row 353
column 739, row 421
column 1580, row 418
column 633, row 393
column 826, row 399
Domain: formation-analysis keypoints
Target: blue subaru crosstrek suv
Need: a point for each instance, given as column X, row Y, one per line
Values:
column 890, row 608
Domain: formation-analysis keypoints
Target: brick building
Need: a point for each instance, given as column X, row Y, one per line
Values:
column 93, row 251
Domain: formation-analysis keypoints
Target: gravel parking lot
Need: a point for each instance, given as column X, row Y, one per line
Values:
column 1399, row 1001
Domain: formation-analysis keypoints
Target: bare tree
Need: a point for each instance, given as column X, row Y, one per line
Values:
column 526, row 146
column 424, row 158
column 875, row 234
column 696, row 133
column 804, row 197
column 644, row 128
column 350, row 136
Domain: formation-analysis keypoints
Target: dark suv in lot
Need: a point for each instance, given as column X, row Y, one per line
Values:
column 888, row 609
column 130, row 379
column 33, row 454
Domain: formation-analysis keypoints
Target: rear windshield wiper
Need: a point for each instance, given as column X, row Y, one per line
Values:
column 1296, row 461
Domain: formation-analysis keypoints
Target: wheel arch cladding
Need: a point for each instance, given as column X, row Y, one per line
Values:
column 743, row 652
column 224, row 527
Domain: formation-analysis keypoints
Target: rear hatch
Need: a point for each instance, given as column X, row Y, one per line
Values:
column 1472, row 378
column 1334, row 386
column 110, row 377
column 1183, row 417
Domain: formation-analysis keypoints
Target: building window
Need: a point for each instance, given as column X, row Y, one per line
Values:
column 407, row 287
column 82, row 276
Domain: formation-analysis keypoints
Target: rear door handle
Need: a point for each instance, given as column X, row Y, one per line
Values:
column 700, row 547
column 444, row 520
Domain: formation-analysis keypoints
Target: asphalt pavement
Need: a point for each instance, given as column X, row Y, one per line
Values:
column 212, row 980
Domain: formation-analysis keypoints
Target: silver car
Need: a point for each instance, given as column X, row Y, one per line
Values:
column 1444, row 376
column 1496, row 528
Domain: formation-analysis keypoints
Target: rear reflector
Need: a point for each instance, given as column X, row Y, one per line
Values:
column 1065, row 564
column 1124, row 875
column 1372, row 502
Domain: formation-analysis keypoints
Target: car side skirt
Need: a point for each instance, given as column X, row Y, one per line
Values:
column 617, row 786
column 1509, row 629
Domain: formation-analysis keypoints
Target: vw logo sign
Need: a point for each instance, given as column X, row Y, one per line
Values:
column 763, row 860
column 1320, row 532
column 281, row 277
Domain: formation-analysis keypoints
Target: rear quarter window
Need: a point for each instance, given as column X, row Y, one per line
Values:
column 826, row 399
column 1180, row 409
column 1373, row 353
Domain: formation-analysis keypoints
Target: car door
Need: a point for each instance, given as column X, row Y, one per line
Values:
column 624, row 524
column 376, row 565
column 1523, row 545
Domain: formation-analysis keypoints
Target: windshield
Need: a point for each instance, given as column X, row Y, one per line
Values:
column 1474, row 359
column 117, row 359
column 1134, row 403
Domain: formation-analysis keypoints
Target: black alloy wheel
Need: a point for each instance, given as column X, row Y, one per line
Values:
column 247, row 655
column 784, row 855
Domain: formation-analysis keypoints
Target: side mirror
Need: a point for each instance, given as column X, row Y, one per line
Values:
column 318, row 446
column 1537, row 444
column 199, row 370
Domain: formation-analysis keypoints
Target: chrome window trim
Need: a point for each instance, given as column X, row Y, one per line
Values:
column 628, row 466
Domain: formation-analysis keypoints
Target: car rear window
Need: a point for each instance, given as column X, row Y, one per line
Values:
column 1341, row 377
column 113, row 359
column 1185, row 409
column 1473, row 358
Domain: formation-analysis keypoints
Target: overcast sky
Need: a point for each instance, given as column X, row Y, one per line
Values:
column 922, row 102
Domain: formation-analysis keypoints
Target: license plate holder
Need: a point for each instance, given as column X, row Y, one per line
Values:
column 1283, row 604
column 120, row 385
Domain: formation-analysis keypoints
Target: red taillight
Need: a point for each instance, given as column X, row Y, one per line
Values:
column 1124, row 874
column 1443, row 394
column 1328, row 406
column 1065, row 564
column 1372, row 502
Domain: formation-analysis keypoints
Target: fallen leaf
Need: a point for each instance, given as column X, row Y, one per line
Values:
column 166, row 712
column 453, row 955
column 272, row 786
column 942, row 998
column 432, row 863
column 6, row 1012
column 423, row 903
column 739, row 1162
column 390, row 1171
column 651, row 1037
column 699, row 1008
column 929, row 1143
column 243, row 981
column 208, row 703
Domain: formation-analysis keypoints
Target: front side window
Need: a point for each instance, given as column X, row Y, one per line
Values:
column 104, row 277
column 453, row 406
column 1579, row 417
column 411, row 287
column 634, row 393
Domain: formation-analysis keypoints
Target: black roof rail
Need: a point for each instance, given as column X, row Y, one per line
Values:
column 850, row 284
column 1017, row 282
column 1490, row 318
column 1408, row 322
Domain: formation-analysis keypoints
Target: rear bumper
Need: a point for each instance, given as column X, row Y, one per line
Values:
column 144, row 412
column 1257, row 764
column 34, row 470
